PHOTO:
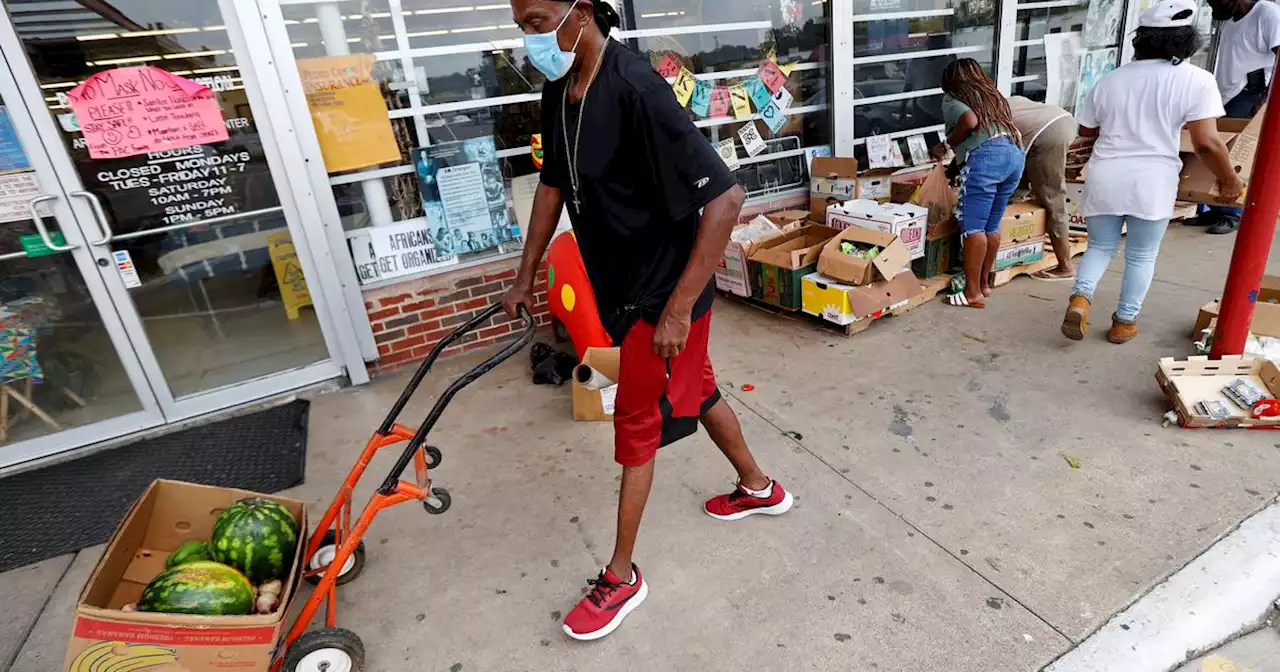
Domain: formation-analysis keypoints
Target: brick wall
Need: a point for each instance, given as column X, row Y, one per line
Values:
column 410, row 317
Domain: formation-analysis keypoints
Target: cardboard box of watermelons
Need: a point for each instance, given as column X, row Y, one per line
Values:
column 168, row 513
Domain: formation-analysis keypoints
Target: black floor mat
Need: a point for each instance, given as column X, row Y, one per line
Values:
column 69, row 506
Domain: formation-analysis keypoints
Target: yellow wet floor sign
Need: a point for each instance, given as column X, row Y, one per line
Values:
column 1220, row 664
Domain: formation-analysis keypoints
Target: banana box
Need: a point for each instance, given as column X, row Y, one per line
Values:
column 105, row 638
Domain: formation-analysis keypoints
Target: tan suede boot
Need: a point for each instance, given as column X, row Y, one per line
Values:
column 1076, row 322
column 1122, row 332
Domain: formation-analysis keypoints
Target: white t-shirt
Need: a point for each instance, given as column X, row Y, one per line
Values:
column 1140, row 109
column 1245, row 46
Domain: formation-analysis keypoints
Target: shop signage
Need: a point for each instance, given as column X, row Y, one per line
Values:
column 142, row 109
column 35, row 246
column 16, row 191
column 395, row 250
column 11, row 155
column 348, row 112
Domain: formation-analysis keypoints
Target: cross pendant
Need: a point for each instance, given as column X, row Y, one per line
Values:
column 577, row 205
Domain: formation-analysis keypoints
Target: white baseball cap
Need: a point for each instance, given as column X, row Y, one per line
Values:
column 1169, row 14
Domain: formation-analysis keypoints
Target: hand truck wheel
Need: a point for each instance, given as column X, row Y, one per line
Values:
column 325, row 650
column 433, row 457
column 325, row 554
column 442, row 496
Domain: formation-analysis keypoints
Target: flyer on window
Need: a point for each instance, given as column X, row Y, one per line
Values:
column 464, row 196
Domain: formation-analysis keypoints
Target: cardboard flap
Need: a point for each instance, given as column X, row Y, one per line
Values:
column 794, row 250
column 839, row 266
column 788, row 220
column 834, row 167
column 892, row 259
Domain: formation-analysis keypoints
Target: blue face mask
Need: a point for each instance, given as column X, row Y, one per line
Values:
column 545, row 54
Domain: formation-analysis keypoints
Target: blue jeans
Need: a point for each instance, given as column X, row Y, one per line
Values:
column 1140, row 250
column 1240, row 107
column 987, row 180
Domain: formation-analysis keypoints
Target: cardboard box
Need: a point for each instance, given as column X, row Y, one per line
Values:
column 876, row 184
column 893, row 257
column 1018, row 254
column 940, row 256
column 1266, row 312
column 832, row 180
column 1075, row 201
column 597, row 404
column 789, row 220
column 778, row 264
column 733, row 274
column 904, row 220
column 167, row 514
column 845, row 304
column 1021, row 222
column 1196, row 182
column 1187, row 382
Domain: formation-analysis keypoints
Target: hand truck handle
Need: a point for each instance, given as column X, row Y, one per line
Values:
column 462, row 381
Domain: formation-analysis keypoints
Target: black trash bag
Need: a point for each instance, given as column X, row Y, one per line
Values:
column 550, row 366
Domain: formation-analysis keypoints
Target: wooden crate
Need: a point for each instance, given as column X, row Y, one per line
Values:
column 929, row 288
column 1190, row 380
column 1079, row 242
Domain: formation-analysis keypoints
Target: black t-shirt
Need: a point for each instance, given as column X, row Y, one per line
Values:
column 645, row 172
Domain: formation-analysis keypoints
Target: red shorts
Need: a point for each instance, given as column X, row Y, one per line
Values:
column 660, row 400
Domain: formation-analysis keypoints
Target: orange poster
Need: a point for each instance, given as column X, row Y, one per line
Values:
column 348, row 111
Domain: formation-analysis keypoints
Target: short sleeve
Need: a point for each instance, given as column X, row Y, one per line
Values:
column 686, row 169
column 1269, row 26
column 952, row 110
column 1204, row 99
column 553, row 162
column 1088, row 115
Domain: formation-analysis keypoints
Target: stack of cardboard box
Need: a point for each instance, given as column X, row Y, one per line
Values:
column 1022, row 235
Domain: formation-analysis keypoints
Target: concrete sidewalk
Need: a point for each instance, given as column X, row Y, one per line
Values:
column 938, row 525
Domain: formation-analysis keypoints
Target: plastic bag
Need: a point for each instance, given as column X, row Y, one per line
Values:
column 936, row 194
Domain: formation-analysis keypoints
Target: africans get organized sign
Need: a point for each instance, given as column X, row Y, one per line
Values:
column 398, row 249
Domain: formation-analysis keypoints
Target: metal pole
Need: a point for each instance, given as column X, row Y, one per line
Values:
column 1253, row 241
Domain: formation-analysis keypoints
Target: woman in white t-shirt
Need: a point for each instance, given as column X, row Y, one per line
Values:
column 1136, row 113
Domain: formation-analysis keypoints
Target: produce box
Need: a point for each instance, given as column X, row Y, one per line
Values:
column 789, row 220
column 845, row 304
column 834, row 180
column 597, row 404
column 893, row 257
column 1190, row 381
column 1266, row 311
column 167, row 514
column 1075, row 201
column 778, row 264
column 1022, row 222
column 1020, row 253
column 876, row 184
column 904, row 220
column 732, row 275
column 1196, row 182
column 940, row 256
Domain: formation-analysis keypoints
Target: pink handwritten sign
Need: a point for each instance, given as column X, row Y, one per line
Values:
column 670, row 66
column 143, row 109
column 720, row 102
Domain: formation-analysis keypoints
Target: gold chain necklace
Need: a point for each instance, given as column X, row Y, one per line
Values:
column 571, row 157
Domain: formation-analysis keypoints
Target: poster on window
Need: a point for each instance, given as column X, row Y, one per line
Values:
column 1062, row 54
column 463, row 196
column 1093, row 66
column 1102, row 24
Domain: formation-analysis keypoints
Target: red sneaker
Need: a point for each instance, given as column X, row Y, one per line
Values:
column 740, row 503
column 605, row 606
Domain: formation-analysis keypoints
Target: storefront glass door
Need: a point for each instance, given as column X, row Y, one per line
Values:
column 193, row 243
column 67, row 372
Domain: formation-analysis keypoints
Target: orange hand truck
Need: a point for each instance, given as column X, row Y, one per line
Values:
column 335, row 552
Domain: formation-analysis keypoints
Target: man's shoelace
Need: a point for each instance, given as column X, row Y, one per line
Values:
column 601, row 589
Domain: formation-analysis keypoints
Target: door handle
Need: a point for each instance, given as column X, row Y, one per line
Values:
column 99, row 214
column 33, row 208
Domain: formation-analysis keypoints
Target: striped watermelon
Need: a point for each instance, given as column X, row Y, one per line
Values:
column 256, row 536
column 201, row 587
column 189, row 551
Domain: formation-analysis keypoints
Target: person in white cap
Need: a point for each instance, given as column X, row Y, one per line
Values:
column 1249, row 39
column 1137, row 113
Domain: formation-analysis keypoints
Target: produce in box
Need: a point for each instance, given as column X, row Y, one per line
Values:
column 189, row 551
column 201, row 587
column 256, row 536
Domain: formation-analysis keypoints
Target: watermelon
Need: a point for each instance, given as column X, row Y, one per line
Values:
column 200, row 587
column 189, row 551
column 256, row 536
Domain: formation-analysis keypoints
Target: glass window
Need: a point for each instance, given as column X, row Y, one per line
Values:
column 450, row 72
column 900, row 48
column 1030, row 71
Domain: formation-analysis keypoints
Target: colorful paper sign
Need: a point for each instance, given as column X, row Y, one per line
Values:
column 683, row 86
column 786, row 68
column 783, row 98
column 348, row 112
column 751, row 140
column 143, row 109
column 760, row 94
column 728, row 151
column 773, row 117
column 740, row 101
column 670, row 66
column 771, row 76
column 720, row 102
column 12, row 158
column 700, row 103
